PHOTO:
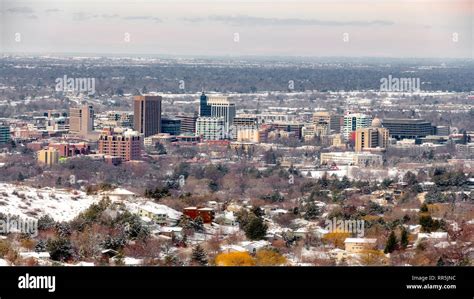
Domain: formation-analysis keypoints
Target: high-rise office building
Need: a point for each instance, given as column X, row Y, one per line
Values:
column 402, row 128
column 289, row 127
column 188, row 123
column 308, row 132
column 48, row 156
column 244, row 123
column 321, row 117
column 4, row 134
column 321, row 123
column 204, row 107
column 210, row 128
column 147, row 114
column 248, row 135
column 122, row 119
column 81, row 120
column 126, row 145
column 171, row 126
column 324, row 120
column 442, row 130
column 222, row 107
column 336, row 122
column 372, row 137
column 354, row 121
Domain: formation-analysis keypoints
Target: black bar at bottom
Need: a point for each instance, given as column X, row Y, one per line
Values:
column 243, row 282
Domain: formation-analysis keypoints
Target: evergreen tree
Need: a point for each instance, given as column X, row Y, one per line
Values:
column 63, row 229
column 160, row 148
column 40, row 246
column 270, row 157
column 256, row 229
column 406, row 218
column 158, row 193
column 424, row 208
column 345, row 183
column 46, row 222
column 21, row 177
column 198, row 224
column 410, row 178
column 440, row 262
column 115, row 243
column 213, row 186
column 199, row 256
column 311, row 211
column 391, row 243
column 429, row 225
column 258, row 211
column 184, row 221
column 60, row 249
column 135, row 229
column 404, row 238
column 171, row 260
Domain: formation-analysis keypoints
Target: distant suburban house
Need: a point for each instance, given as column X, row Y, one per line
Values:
column 227, row 218
column 169, row 231
column 437, row 236
column 206, row 214
column 413, row 229
column 301, row 232
column 42, row 258
column 357, row 245
column 338, row 254
column 160, row 214
column 213, row 204
column 254, row 246
column 246, row 246
column 119, row 194
column 109, row 253
column 128, row 261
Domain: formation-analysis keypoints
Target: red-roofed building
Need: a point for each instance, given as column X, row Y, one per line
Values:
column 206, row 214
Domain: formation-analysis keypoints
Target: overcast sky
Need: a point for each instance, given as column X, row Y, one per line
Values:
column 388, row 28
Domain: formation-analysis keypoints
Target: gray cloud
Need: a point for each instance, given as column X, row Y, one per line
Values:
column 53, row 10
column 83, row 16
column 143, row 18
column 107, row 16
column 20, row 10
column 255, row 21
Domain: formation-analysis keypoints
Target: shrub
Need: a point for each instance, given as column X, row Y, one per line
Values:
column 235, row 259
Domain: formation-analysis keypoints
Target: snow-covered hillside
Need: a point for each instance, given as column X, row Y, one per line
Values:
column 62, row 205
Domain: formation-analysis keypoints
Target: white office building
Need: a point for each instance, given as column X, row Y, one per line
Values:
column 222, row 107
column 211, row 128
column 354, row 121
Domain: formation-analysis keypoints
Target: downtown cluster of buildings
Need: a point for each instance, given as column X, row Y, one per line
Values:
column 352, row 138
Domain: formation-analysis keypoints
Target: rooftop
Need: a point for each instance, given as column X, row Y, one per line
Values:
column 360, row 240
column 405, row 120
